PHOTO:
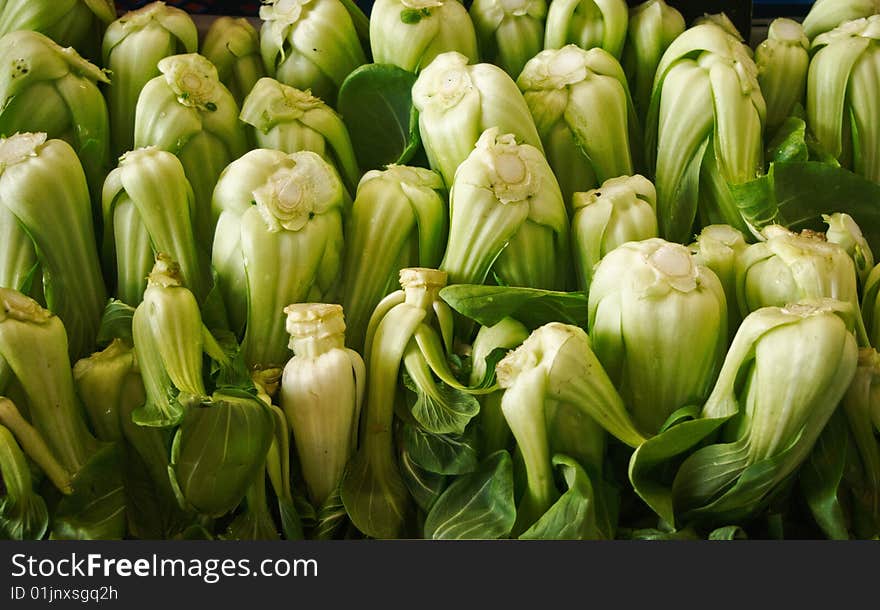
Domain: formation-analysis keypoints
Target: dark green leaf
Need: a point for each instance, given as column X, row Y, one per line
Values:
column 425, row 487
column 647, row 464
column 441, row 453
column 488, row 305
column 376, row 102
column 330, row 518
column 797, row 194
column 822, row 475
column 574, row 515
column 708, row 473
column 23, row 518
column 116, row 323
column 96, row 508
column 479, row 505
column 789, row 143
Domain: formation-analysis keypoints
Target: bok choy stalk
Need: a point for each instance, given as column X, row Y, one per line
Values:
column 870, row 306
column 861, row 405
column 842, row 105
column 509, row 33
column 704, row 130
column 287, row 119
column 783, row 60
column 506, row 335
column 413, row 201
column 233, row 45
column 71, row 23
column 23, row 512
column 33, row 343
column 843, row 231
column 148, row 208
column 642, row 303
column 410, row 327
column 110, row 387
column 507, row 218
column 587, row 24
column 187, row 111
column 557, row 399
column 584, row 114
column 720, row 247
column 18, row 262
column 43, row 191
column 47, row 88
column 279, row 241
column 169, row 339
column 622, row 210
column 652, row 27
column 220, row 450
column 787, row 267
column 309, row 44
column 797, row 362
column 825, row 15
column 411, row 33
column 322, row 390
column 457, row 102
column 132, row 47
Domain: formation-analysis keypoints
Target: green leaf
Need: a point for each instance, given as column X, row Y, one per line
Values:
column 96, row 508
column 424, row 487
column 708, row 473
column 375, row 101
column 116, row 323
column 822, row 475
column 797, row 194
column 648, row 465
column 442, row 453
column 789, row 143
column 574, row 515
column 728, row 532
column 488, row 305
column 330, row 518
column 479, row 505
column 440, row 408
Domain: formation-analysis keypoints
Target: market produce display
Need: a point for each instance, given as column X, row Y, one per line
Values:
column 501, row 269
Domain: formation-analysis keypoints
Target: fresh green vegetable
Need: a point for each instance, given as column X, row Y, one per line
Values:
column 705, row 129
column 169, row 339
column 321, row 393
column 187, row 111
column 279, row 241
column 412, row 200
column 148, row 208
column 587, row 24
column 846, row 233
column 643, row 301
column 411, row 33
column 33, row 171
column 410, row 327
column 132, row 48
column 825, row 15
column 720, row 248
column 507, row 217
column 558, row 399
column 623, row 209
column 23, row 512
column 70, row 23
column 220, row 450
column 233, row 45
column 457, row 102
column 842, row 110
column 287, row 119
column 309, row 44
column 584, row 114
column 652, row 27
column 787, row 267
column 47, row 88
column 783, row 61
column 509, row 33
